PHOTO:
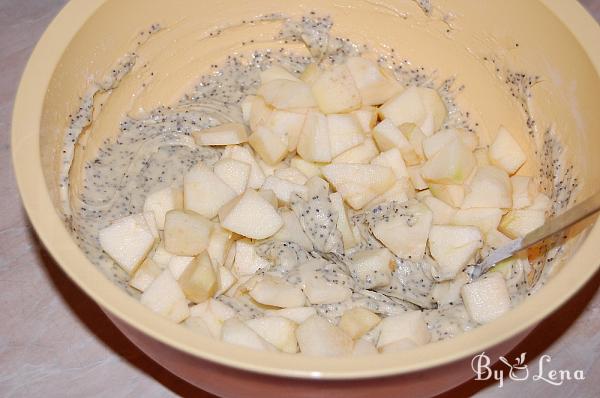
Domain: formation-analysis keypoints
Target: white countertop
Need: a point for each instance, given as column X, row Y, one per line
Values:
column 55, row 342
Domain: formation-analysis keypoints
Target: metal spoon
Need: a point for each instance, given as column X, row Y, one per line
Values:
column 557, row 224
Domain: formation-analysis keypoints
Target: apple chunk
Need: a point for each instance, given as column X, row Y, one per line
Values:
column 145, row 274
column 451, row 165
column 409, row 325
column 505, row 152
column 204, row 192
column 243, row 154
column 388, row 136
column 224, row 134
column 276, row 292
column 276, row 72
column 523, row 191
column 287, row 125
column 453, row 247
column 251, row 215
column 278, row 331
column 486, row 298
column 199, row 280
column 372, row 268
column 335, row 90
column 268, row 145
column 287, row 94
column 236, row 332
column 313, row 143
column 186, row 232
column 359, row 183
column 160, row 202
column 318, row 337
column 233, row 173
column 358, row 321
column 374, row 86
column 127, row 241
column 489, row 187
column 362, row 153
column 165, row 297
column 518, row 223
column 345, row 132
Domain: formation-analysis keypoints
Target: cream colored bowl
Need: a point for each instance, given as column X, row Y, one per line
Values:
column 556, row 40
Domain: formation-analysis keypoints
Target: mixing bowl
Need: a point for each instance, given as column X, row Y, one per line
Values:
column 474, row 41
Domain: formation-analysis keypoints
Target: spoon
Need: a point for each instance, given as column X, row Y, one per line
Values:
column 557, row 224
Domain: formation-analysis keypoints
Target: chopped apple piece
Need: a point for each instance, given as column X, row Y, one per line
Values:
column 372, row 268
column 451, row 165
column 287, row 94
column 335, row 90
column 213, row 313
column 505, row 152
column 178, row 264
column 344, row 132
column 363, row 347
column 409, row 325
column 523, row 191
column 296, row 314
column 362, row 154
column 309, row 169
column 284, row 189
column 199, row 280
column 287, row 125
column 442, row 212
column 313, row 144
column 224, row 134
column 453, row 195
column 310, row 73
column 489, row 187
column 186, row 232
column 268, row 145
column 160, row 202
column 276, row 72
column 252, row 216
column 358, row 183
column 433, row 144
column 292, row 230
column 292, row 175
column 343, row 223
column 486, row 298
column 145, row 275
column 218, row 244
column 453, row 247
column 255, row 111
column 448, row 292
column 225, row 279
column 247, row 262
column 233, row 173
column 401, row 191
column 237, row 152
column 204, row 192
column 269, row 196
column 403, row 228
column 392, row 158
column 358, row 321
column 388, row 136
column 279, row 331
column 320, row 291
column 415, row 137
column 415, row 177
column 518, row 223
column 276, row 292
column 484, row 218
column 165, row 297
column 435, row 110
column 405, row 107
column 367, row 118
column 161, row 256
column 541, row 202
column 374, row 86
column 127, row 241
column 318, row 337
column 236, row 332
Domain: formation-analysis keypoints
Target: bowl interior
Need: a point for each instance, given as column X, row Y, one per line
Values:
column 483, row 46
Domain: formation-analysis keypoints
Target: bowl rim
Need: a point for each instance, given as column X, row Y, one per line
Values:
column 51, row 231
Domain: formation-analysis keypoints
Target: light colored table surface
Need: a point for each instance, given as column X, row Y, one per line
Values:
column 55, row 342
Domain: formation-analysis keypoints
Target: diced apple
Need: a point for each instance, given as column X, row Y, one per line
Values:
column 344, row 132
column 276, row 72
column 406, row 232
column 415, row 177
column 495, row 239
column 127, row 241
column 252, row 216
column 358, row 321
column 320, row 291
column 451, row 165
column 518, row 223
column 388, row 136
column 453, row 247
column 146, row 273
column 401, row 191
column 307, row 168
column 489, row 187
column 318, row 337
column 292, row 175
column 284, row 189
column 433, row 144
column 484, row 218
column 233, row 173
column 160, row 202
column 276, row 292
column 236, row 332
column 243, row 154
column 296, row 314
column 363, row 347
column 225, row 279
column 178, row 264
column 199, row 280
column 442, row 212
column 313, row 143
column 392, row 158
column 292, row 231
column 310, row 73
column 523, row 191
column 541, row 202
column 213, row 313
column 287, row 125
column 287, row 94
column 269, row 196
column 218, row 244
column 335, row 90
column 197, row 325
column 204, row 192
column 415, row 137
column 486, row 298
column 247, row 261
column 279, row 331
column 362, row 154
column 435, row 110
column 161, row 256
column 367, row 118
column 268, row 145
column 357, row 183
column 343, row 223
column 505, row 152
column 151, row 223
column 409, row 325
column 453, row 195
column 165, row 297
column 255, row 111
column 186, row 232
column 448, row 292
column 224, row 134
column 405, row 107
column 374, row 86
column 372, row 268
